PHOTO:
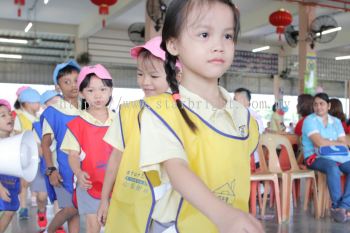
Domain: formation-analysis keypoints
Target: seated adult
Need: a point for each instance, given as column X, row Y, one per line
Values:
column 337, row 111
column 304, row 108
column 319, row 130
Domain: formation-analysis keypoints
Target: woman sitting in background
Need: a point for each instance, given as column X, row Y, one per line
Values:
column 304, row 108
column 321, row 130
column 337, row 111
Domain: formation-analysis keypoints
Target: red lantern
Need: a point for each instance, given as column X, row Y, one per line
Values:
column 104, row 8
column 20, row 4
column 280, row 19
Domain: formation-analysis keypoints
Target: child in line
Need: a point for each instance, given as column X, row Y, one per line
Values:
column 41, row 183
column 29, row 100
column 9, row 185
column 17, row 104
column 197, row 138
column 84, row 135
column 151, row 78
column 53, row 121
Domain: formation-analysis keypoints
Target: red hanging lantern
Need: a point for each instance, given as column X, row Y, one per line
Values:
column 104, row 8
column 280, row 19
column 20, row 4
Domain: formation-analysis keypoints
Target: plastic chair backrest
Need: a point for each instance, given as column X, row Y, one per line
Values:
column 262, row 160
column 277, row 140
column 268, row 141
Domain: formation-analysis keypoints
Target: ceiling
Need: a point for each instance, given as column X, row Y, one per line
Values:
column 60, row 22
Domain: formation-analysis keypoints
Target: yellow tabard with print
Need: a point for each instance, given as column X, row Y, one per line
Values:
column 26, row 124
column 222, row 161
column 132, row 200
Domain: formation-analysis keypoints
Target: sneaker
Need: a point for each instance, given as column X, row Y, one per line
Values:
column 60, row 230
column 339, row 215
column 23, row 213
column 41, row 220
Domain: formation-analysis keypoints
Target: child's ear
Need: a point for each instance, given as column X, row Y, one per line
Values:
column 172, row 47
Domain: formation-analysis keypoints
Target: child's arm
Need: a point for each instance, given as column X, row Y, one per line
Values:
column 82, row 176
column 55, row 177
column 4, row 193
column 110, row 176
column 226, row 218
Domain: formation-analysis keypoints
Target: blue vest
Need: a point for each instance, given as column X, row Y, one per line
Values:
column 42, row 166
column 57, row 121
column 13, row 186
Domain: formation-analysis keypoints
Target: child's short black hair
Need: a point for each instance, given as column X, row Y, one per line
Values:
column 245, row 91
column 17, row 105
column 66, row 71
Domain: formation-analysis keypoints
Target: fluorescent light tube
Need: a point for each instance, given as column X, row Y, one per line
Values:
column 260, row 49
column 13, row 41
column 342, row 58
column 46, row 2
column 328, row 31
column 28, row 27
column 12, row 56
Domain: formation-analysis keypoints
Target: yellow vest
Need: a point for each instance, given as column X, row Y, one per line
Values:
column 26, row 124
column 131, row 200
column 228, row 177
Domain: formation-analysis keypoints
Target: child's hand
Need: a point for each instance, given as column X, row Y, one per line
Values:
column 4, row 194
column 83, row 180
column 55, row 179
column 102, row 212
column 239, row 222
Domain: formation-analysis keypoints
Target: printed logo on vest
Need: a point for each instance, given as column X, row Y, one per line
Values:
column 101, row 165
column 226, row 192
column 136, row 181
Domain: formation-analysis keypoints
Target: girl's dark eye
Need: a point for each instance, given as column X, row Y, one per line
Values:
column 204, row 35
column 228, row 36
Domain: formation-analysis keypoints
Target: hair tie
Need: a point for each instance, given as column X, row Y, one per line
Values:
column 176, row 96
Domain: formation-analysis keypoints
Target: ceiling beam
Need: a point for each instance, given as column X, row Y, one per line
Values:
column 94, row 23
column 39, row 27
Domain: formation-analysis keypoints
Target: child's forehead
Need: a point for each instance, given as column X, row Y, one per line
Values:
column 4, row 109
column 149, row 63
column 95, row 81
column 72, row 75
column 200, row 13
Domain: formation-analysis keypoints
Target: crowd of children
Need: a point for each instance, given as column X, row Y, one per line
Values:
column 176, row 161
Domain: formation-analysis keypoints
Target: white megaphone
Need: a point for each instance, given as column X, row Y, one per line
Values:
column 19, row 156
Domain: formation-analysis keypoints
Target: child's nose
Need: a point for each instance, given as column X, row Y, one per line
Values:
column 218, row 45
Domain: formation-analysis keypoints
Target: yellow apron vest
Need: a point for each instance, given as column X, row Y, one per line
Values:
column 131, row 202
column 228, row 177
column 26, row 124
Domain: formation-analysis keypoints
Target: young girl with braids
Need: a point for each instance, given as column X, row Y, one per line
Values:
column 196, row 138
column 127, row 210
